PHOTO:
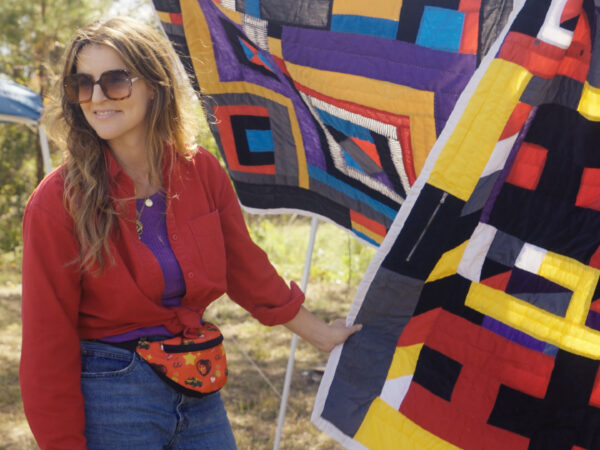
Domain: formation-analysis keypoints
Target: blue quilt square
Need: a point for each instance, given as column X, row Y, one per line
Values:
column 253, row 8
column 260, row 140
column 441, row 29
column 372, row 26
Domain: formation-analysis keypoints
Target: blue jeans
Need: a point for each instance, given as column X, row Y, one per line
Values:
column 127, row 406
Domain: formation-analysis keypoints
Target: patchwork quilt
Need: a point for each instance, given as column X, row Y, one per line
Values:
column 481, row 310
column 330, row 107
column 479, row 121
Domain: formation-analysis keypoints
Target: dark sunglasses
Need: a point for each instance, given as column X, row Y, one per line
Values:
column 116, row 85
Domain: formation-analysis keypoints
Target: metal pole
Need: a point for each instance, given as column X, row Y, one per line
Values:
column 45, row 151
column 290, row 364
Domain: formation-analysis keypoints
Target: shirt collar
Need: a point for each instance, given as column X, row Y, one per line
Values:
column 121, row 183
column 114, row 168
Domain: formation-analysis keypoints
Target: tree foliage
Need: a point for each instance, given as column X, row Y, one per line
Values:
column 19, row 173
column 33, row 35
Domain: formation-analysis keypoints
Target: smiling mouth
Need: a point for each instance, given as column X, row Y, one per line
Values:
column 105, row 114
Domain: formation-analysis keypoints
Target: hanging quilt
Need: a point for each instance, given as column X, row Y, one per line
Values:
column 481, row 309
column 330, row 107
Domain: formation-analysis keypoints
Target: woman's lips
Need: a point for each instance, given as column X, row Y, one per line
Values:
column 105, row 113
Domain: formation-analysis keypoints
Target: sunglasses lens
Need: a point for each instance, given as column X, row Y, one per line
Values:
column 116, row 84
column 78, row 88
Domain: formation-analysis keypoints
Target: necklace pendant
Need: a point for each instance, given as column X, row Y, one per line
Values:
column 139, row 228
column 148, row 202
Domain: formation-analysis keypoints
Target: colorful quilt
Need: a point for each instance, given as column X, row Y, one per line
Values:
column 330, row 107
column 481, row 310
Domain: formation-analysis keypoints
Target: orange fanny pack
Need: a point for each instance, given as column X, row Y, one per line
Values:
column 193, row 364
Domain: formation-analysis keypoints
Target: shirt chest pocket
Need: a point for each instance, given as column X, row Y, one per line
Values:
column 210, row 248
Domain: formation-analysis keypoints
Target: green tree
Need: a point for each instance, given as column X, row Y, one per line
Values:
column 33, row 35
column 19, row 175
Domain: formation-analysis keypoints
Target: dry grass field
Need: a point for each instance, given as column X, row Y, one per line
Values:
column 14, row 431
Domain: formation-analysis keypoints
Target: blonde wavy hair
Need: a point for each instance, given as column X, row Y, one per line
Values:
column 172, row 122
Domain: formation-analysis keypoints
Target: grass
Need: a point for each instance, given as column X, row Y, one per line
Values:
column 252, row 405
column 13, row 426
column 10, row 267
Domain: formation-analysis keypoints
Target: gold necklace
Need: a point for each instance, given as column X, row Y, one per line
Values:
column 139, row 226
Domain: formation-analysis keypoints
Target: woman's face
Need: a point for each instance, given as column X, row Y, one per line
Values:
column 119, row 122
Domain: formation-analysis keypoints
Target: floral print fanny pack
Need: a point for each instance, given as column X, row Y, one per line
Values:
column 193, row 363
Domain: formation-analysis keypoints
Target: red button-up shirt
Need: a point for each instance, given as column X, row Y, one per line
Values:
column 62, row 304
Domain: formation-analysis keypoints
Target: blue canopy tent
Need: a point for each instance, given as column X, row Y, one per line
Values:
column 19, row 104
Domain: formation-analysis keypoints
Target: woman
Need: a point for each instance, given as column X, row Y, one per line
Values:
column 133, row 237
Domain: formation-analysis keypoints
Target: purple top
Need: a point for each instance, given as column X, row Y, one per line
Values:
column 154, row 236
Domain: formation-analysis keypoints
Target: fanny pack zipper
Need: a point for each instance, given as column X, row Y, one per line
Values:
column 184, row 348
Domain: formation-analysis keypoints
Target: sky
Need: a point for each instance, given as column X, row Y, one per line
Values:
column 140, row 9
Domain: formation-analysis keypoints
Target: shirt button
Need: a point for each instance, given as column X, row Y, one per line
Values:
column 174, row 236
column 190, row 274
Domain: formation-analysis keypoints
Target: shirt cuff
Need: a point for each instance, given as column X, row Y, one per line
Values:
column 284, row 313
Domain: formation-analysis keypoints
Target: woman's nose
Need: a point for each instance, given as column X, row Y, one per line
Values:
column 97, row 94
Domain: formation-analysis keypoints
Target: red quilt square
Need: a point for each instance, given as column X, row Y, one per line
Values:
column 528, row 166
column 224, row 114
column 589, row 189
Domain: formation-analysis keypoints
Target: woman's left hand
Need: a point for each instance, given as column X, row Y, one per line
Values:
column 339, row 332
column 318, row 333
